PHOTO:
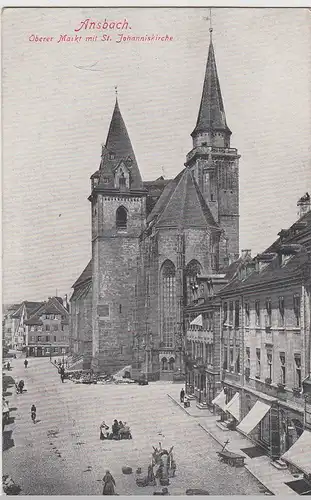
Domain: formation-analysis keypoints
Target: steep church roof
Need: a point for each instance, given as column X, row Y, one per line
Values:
column 118, row 148
column 86, row 275
column 186, row 207
column 164, row 198
column 212, row 112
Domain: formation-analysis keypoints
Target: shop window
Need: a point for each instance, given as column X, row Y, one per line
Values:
column 237, row 361
column 230, row 313
column 297, row 309
column 248, row 357
column 225, row 363
column 268, row 313
column 231, row 355
column 257, row 313
column 258, row 363
column 281, row 311
column 225, row 312
column 247, row 314
column 297, row 358
column 283, row 368
column 269, row 362
column 237, row 314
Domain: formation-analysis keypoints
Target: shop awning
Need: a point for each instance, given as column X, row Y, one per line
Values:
column 220, row 400
column 299, row 454
column 233, row 406
column 254, row 416
column 197, row 321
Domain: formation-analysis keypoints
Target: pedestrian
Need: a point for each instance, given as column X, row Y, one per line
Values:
column 8, row 366
column 182, row 395
column 21, row 384
column 26, row 363
column 33, row 413
column 62, row 373
column 109, row 484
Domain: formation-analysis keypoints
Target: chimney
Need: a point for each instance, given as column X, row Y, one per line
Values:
column 303, row 205
column 246, row 253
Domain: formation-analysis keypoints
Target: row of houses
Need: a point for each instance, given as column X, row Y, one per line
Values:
column 38, row 328
column 248, row 344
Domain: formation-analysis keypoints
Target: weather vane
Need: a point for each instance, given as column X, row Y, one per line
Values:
column 116, row 89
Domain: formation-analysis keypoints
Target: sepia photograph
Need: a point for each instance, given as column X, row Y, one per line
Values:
column 156, row 251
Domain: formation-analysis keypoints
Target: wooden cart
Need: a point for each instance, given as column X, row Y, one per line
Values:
column 230, row 458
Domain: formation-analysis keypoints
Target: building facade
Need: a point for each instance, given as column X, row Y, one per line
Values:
column 151, row 241
column 47, row 330
column 265, row 342
column 19, row 328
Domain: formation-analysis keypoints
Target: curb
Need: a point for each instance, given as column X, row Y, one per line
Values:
column 177, row 404
column 246, row 466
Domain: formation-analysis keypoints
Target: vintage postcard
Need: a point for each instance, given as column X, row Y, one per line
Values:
column 156, row 251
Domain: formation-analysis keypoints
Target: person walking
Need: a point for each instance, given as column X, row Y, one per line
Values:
column 20, row 386
column 109, row 484
column 26, row 363
column 182, row 395
column 8, row 366
column 33, row 413
column 62, row 373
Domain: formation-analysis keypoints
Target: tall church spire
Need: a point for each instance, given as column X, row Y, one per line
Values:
column 211, row 116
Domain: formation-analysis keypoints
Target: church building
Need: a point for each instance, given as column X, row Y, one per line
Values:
column 151, row 241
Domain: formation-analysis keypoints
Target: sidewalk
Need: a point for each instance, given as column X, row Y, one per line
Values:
column 260, row 467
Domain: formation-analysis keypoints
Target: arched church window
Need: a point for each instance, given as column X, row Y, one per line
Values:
column 171, row 364
column 168, row 304
column 193, row 269
column 121, row 218
column 164, row 364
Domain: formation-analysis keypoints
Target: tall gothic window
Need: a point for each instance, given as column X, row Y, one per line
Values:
column 193, row 269
column 121, row 218
column 168, row 303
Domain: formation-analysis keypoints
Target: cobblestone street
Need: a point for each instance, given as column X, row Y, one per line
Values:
column 62, row 454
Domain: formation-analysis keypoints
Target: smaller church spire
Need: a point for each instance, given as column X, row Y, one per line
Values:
column 118, row 150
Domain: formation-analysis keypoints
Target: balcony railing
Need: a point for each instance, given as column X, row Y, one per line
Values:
column 211, row 149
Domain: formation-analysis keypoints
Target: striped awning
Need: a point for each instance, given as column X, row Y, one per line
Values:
column 220, row 400
column 254, row 416
column 198, row 321
column 299, row 454
column 233, row 406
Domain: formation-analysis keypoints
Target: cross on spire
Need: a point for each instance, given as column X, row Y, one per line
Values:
column 116, row 90
column 209, row 18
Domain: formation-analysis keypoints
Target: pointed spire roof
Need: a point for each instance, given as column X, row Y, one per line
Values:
column 212, row 113
column 117, row 149
column 186, row 207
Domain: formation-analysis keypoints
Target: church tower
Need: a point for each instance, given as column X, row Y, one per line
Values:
column 118, row 217
column 214, row 163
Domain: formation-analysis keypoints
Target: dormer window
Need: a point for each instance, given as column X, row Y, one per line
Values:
column 106, row 180
column 112, row 156
column 204, row 143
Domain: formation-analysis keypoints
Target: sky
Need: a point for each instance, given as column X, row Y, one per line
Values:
column 55, row 117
